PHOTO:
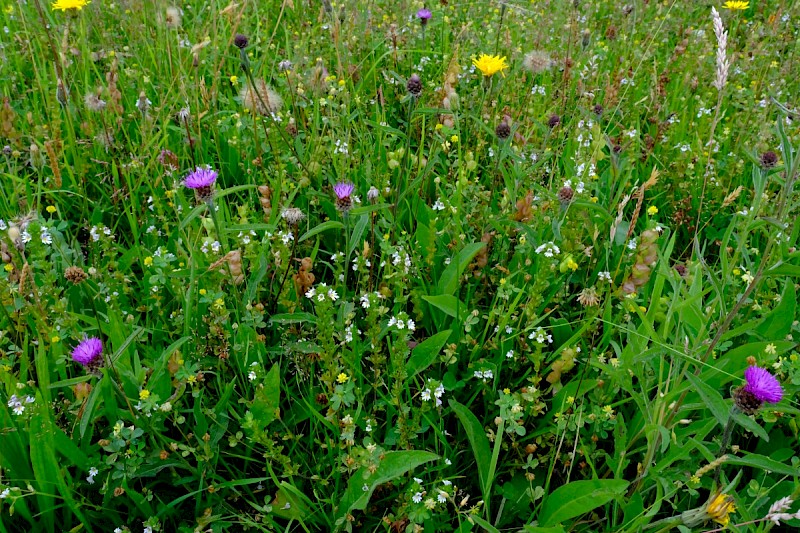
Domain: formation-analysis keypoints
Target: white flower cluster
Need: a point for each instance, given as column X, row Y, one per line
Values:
column 97, row 230
column 549, row 249
column 484, row 374
column 369, row 298
column 541, row 336
column 402, row 324
column 92, row 473
column 321, row 292
column 17, row 404
column 433, row 389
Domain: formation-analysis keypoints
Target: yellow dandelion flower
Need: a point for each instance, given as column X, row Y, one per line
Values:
column 736, row 5
column 63, row 5
column 720, row 507
column 490, row 65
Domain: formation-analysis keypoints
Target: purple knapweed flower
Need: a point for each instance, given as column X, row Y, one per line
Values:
column 202, row 182
column 763, row 385
column 343, row 190
column 201, row 177
column 88, row 351
column 424, row 15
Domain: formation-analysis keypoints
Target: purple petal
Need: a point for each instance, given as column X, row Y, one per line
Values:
column 201, row 177
column 763, row 385
column 87, row 350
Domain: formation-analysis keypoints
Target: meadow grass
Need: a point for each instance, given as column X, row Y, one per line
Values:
column 399, row 266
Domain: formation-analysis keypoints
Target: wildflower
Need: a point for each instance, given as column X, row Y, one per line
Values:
column 342, row 378
column 63, row 5
column 416, row 498
column 292, row 215
column 260, row 98
column 285, row 66
column 736, row 5
column 414, row 85
column 144, row 394
column 565, row 195
column 760, row 386
column 240, row 41
column 343, row 190
column 94, row 103
column 173, row 18
column 553, row 121
column 588, row 297
column 769, row 159
column 143, row 103
column 89, row 353
column 92, row 473
column 652, row 210
column 720, row 507
column 373, row 194
column 537, row 61
column 424, row 16
column 490, row 65
column 201, row 180
column 503, row 130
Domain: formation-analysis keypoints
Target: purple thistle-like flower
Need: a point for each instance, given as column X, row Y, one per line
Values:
column 87, row 351
column 343, row 190
column 763, row 385
column 424, row 15
column 201, row 177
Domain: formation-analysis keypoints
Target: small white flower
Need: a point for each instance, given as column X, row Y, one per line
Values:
column 46, row 237
column 26, row 237
column 310, row 293
column 19, row 409
column 426, row 395
column 5, row 494
column 333, row 295
column 416, row 498
column 510, row 354
column 251, row 376
column 442, row 497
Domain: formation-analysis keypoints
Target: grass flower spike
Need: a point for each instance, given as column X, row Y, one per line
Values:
column 490, row 65
column 64, row 5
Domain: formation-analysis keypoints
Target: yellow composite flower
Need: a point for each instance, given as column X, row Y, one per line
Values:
column 63, row 5
column 490, row 65
column 736, row 5
column 720, row 507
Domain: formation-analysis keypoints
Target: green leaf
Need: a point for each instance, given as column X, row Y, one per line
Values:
column 778, row 322
column 477, row 440
column 712, row 398
column 763, row 463
column 364, row 209
column 579, row 497
column 325, row 226
column 483, row 523
column 358, row 230
column 448, row 283
column 751, row 425
column 393, row 465
column 293, row 318
column 425, row 353
column 534, row 529
column 449, row 304
column 265, row 407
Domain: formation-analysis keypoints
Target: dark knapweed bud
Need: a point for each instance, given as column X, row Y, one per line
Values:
column 553, row 121
column 769, row 159
column 565, row 195
column 414, row 85
column 598, row 110
column 240, row 41
column 503, row 130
